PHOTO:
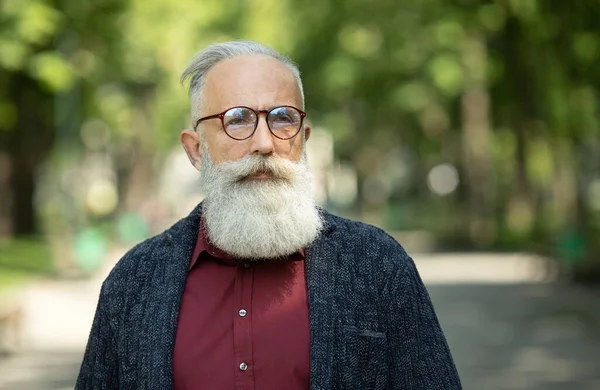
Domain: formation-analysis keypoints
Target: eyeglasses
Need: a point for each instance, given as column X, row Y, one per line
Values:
column 240, row 123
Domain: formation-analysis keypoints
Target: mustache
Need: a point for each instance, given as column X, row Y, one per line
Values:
column 241, row 169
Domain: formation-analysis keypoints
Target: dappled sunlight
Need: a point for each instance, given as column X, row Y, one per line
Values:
column 469, row 131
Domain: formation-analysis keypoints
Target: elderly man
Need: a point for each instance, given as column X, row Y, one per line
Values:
column 259, row 288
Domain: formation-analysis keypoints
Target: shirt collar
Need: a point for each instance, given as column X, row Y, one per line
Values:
column 204, row 245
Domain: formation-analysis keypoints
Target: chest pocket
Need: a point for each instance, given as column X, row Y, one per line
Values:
column 364, row 362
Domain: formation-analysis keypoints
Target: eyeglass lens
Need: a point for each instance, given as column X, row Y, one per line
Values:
column 240, row 122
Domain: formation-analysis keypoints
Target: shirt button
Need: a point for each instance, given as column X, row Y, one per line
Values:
column 243, row 366
column 242, row 313
column 246, row 264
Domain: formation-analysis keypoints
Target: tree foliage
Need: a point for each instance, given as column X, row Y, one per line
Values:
column 504, row 90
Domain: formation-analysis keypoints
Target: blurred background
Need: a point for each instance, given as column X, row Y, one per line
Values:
column 468, row 129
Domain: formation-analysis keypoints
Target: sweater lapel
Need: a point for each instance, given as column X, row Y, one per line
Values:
column 320, row 261
column 168, row 285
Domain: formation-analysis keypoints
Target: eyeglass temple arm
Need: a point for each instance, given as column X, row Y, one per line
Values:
column 206, row 118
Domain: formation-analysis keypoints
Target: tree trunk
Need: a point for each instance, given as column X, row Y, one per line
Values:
column 522, row 112
column 476, row 157
column 28, row 144
column 6, row 226
column 139, row 180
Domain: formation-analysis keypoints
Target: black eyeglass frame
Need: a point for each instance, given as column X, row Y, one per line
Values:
column 221, row 115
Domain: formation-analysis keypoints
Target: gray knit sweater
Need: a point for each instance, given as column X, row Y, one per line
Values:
column 372, row 324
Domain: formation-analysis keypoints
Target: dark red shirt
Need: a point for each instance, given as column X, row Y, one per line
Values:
column 242, row 325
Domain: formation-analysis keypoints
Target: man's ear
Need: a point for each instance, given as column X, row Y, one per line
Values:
column 191, row 144
column 306, row 132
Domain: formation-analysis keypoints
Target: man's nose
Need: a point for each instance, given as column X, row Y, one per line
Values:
column 262, row 140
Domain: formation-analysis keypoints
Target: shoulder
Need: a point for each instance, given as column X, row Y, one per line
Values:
column 130, row 262
column 368, row 256
column 362, row 234
column 140, row 262
column 368, row 242
column 132, row 265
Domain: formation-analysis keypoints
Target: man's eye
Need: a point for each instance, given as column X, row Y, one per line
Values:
column 284, row 118
column 235, row 121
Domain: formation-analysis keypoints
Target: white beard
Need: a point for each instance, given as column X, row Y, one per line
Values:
column 263, row 218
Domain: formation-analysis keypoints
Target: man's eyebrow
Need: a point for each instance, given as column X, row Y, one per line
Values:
column 272, row 106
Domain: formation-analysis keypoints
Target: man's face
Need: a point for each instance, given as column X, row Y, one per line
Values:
column 255, row 81
column 258, row 200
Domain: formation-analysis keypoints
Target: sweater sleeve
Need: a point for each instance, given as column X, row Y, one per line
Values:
column 99, row 369
column 420, row 356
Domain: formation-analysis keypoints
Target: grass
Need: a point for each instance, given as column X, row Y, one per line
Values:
column 10, row 279
column 22, row 260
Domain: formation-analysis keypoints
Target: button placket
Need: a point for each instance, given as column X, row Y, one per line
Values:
column 242, row 324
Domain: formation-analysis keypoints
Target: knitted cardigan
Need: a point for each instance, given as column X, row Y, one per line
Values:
column 372, row 324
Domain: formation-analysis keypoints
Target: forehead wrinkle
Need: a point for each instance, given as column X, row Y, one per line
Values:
column 252, row 102
column 230, row 84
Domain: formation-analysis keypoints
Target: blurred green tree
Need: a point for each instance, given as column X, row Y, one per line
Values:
column 42, row 68
column 506, row 91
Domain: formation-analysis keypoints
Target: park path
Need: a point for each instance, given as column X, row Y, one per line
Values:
column 506, row 328
column 57, row 318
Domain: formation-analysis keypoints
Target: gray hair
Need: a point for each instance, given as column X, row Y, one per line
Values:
column 211, row 55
